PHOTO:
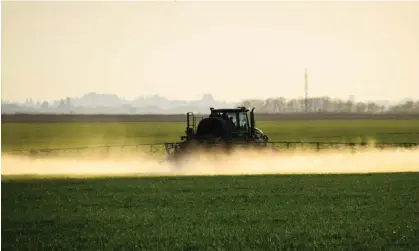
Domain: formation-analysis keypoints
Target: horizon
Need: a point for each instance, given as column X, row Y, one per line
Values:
column 235, row 51
column 200, row 98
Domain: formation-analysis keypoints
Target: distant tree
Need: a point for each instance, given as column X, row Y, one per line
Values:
column 410, row 106
column 360, row 107
column 348, row 106
column 68, row 101
column 269, row 105
column 280, row 104
column 246, row 103
column 45, row 105
column 382, row 108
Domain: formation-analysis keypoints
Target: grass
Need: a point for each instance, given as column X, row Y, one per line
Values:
column 16, row 136
column 305, row 212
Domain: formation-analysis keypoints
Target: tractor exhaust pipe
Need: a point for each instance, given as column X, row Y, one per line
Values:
column 252, row 121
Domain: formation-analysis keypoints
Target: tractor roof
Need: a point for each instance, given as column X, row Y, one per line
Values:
column 238, row 109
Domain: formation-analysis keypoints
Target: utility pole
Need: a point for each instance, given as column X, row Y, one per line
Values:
column 306, row 91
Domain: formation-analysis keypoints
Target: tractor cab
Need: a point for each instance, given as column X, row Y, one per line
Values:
column 240, row 119
column 238, row 122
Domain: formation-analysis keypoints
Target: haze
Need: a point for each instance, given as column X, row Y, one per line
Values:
column 237, row 163
column 232, row 50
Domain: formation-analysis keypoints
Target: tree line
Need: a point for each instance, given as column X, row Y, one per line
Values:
column 327, row 104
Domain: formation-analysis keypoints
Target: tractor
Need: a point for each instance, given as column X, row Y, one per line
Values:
column 225, row 128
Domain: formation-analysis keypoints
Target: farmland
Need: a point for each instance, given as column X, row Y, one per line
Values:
column 20, row 136
column 324, row 212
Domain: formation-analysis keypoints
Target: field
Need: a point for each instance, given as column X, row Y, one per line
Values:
column 265, row 212
column 352, row 212
column 18, row 136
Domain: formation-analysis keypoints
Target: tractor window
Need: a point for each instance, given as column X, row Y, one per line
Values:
column 239, row 120
column 233, row 118
column 243, row 120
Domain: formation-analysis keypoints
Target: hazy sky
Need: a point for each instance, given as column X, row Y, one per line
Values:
column 232, row 50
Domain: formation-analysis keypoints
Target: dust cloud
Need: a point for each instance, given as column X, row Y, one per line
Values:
column 239, row 162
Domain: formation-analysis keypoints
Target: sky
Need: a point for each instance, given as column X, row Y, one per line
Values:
column 234, row 50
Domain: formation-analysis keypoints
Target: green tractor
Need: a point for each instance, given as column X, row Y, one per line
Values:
column 226, row 128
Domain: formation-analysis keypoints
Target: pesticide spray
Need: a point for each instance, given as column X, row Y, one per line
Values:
column 239, row 162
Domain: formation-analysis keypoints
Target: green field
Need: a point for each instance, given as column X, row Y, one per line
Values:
column 322, row 212
column 18, row 136
column 276, row 212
